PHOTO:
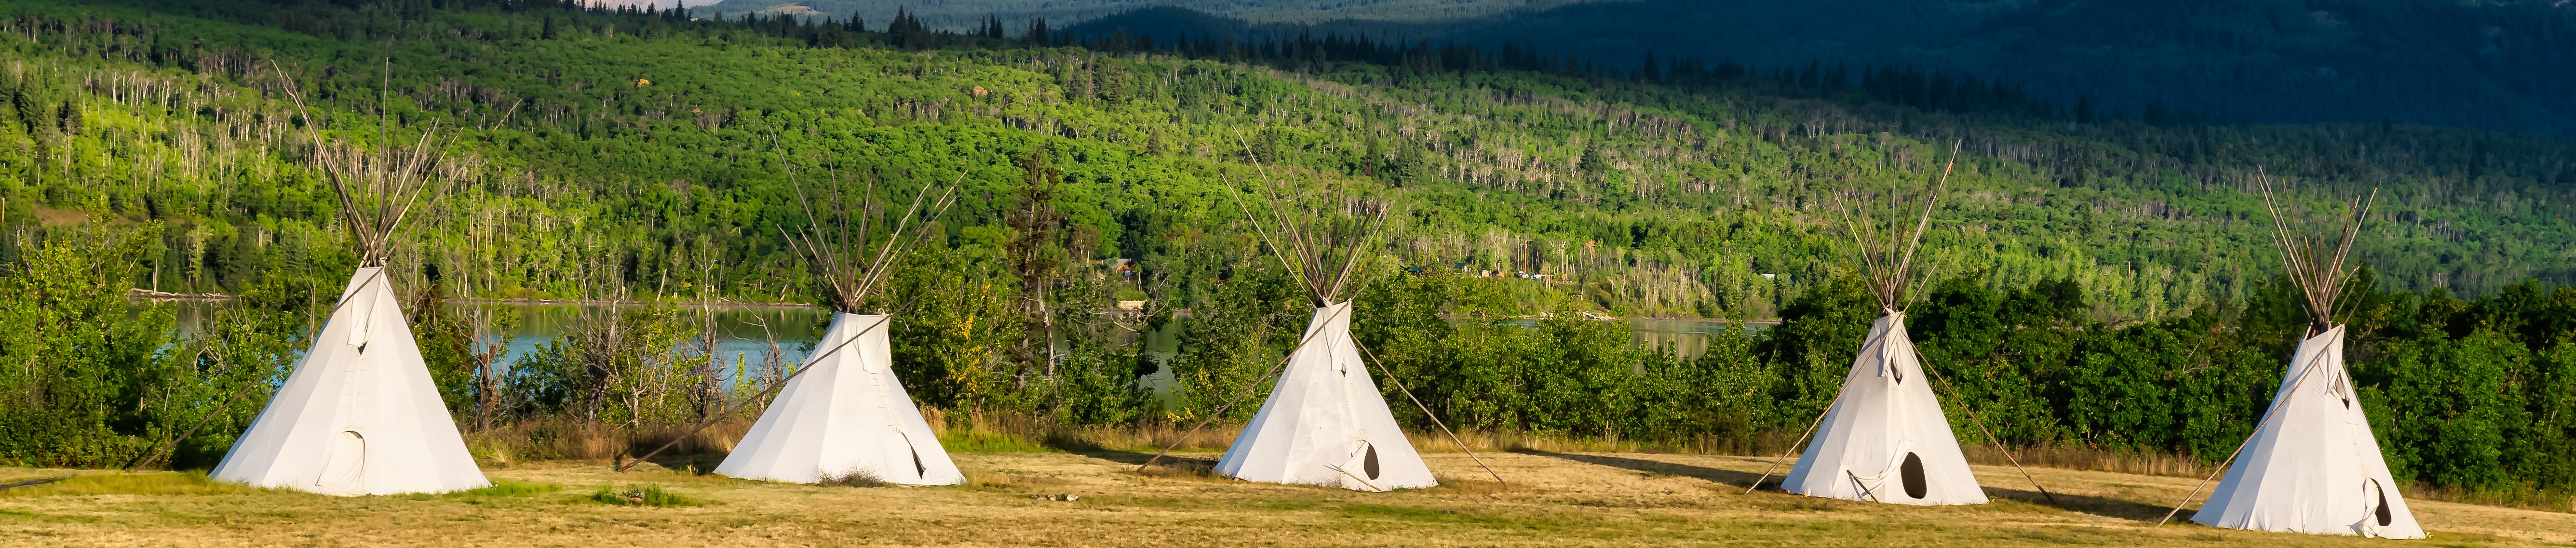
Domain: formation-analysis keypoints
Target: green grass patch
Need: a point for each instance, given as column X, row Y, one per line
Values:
column 960, row 440
column 144, row 483
column 641, row 495
column 507, row 488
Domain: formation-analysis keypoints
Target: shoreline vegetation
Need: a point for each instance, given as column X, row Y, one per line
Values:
column 2094, row 299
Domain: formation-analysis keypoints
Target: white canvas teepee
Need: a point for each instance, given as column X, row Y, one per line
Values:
column 845, row 415
column 2312, row 465
column 1325, row 422
column 359, row 416
column 1885, row 438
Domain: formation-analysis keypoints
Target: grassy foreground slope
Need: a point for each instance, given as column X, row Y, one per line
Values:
column 1555, row 499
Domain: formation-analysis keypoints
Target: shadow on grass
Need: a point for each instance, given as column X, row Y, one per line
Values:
column 1726, row 477
column 694, row 463
column 2106, row 507
column 1166, row 466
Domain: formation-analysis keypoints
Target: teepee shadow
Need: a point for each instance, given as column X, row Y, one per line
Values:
column 2099, row 506
column 695, row 463
column 1728, row 477
column 1169, row 463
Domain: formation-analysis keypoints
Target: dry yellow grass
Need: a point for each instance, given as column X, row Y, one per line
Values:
column 1554, row 499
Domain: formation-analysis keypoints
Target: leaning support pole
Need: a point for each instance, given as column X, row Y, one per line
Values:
column 164, row 448
column 32, row 482
column 2268, row 414
column 765, row 393
column 1426, row 410
column 1990, row 435
column 1793, row 449
column 1248, row 389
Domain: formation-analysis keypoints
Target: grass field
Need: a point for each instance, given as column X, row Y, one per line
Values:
column 1553, row 499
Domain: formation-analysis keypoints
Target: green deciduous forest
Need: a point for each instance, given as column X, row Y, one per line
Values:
column 2100, row 281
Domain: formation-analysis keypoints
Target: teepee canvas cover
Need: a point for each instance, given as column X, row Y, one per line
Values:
column 359, row 416
column 1885, row 438
column 1325, row 422
column 2314, row 468
column 847, row 415
column 2311, row 465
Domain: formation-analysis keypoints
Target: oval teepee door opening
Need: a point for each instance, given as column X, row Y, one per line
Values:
column 1911, row 473
column 344, row 467
column 2382, row 512
column 1368, row 462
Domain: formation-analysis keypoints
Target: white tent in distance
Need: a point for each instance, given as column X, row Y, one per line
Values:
column 1325, row 422
column 1885, row 438
column 2311, row 465
column 359, row 415
column 845, row 413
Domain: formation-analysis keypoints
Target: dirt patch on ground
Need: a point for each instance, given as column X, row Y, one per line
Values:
column 1021, row 499
column 61, row 217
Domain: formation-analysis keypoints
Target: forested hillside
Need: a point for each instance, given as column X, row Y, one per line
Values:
column 648, row 133
column 644, row 155
column 2495, row 65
